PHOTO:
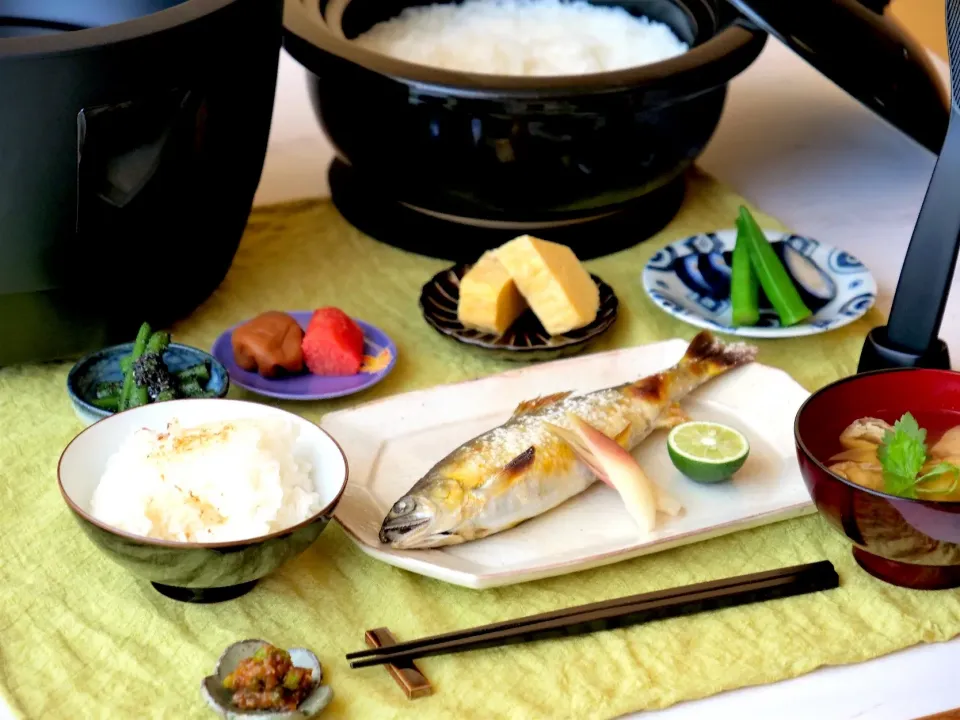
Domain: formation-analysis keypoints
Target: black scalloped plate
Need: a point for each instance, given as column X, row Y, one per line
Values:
column 526, row 340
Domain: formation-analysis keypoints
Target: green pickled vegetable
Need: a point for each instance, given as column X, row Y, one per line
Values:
column 158, row 343
column 139, row 345
column 191, row 389
column 150, row 374
column 108, row 389
column 291, row 680
column 109, row 402
column 773, row 277
column 138, row 396
column 744, row 287
column 200, row 373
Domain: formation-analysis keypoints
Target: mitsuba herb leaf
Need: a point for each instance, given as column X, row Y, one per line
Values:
column 903, row 453
column 935, row 472
column 899, row 485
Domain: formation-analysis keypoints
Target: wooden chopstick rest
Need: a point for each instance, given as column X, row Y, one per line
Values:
column 408, row 676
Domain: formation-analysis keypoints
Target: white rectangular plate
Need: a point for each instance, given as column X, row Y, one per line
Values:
column 391, row 443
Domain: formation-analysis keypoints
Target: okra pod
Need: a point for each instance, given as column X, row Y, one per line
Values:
column 744, row 288
column 772, row 275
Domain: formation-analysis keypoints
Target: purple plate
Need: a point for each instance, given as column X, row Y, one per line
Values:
column 307, row 386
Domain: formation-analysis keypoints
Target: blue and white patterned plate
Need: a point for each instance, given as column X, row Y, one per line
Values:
column 690, row 279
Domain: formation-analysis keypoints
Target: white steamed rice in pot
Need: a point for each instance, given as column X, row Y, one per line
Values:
column 215, row 482
column 523, row 37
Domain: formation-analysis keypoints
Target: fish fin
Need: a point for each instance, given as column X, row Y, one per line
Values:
column 530, row 406
column 653, row 388
column 671, row 417
column 516, row 467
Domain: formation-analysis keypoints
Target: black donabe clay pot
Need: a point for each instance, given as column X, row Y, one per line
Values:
column 516, row 150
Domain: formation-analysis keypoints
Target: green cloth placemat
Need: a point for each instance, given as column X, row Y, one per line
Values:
column 80, row 637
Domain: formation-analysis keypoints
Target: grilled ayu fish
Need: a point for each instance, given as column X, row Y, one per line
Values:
column 522, row 468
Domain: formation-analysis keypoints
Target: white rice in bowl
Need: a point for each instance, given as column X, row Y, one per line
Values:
column 214, row 482
column 523, row 37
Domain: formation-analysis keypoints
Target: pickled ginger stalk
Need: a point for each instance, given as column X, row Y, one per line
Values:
column 618, row 468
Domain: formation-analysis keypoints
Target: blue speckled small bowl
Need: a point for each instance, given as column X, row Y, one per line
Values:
column 104, row 366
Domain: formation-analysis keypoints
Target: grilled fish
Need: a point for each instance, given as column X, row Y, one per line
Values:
column 523, row 468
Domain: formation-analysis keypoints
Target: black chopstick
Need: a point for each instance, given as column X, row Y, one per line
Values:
column 602, row 605
column 612, row 614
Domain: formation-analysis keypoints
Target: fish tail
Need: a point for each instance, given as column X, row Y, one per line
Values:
column 706, row 358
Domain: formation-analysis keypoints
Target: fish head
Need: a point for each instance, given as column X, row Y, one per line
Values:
column 428, row 516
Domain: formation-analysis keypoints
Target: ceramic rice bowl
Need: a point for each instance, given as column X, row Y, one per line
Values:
column 196, row 572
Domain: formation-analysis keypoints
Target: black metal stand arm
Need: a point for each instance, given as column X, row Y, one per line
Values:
column 910, row 338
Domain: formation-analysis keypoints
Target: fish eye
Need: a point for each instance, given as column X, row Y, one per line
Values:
column 403, row 506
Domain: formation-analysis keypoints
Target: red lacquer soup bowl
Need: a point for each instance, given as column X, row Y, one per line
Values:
column 910, row 543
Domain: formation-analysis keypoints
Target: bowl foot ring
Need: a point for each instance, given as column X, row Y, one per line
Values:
column 908, row 575
column 204, row 595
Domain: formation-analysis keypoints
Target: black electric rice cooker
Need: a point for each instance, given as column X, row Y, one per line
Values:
column 133, row 135
column 132, row 139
